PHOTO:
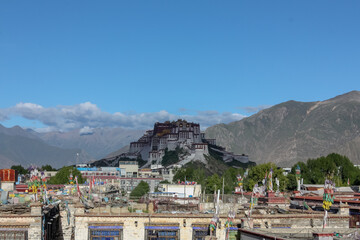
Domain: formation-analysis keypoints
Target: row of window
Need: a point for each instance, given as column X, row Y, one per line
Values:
column 101, row 174
column 158, row 233
column 116, row 233
column 129, row 175
column 13, row 235
column 135, row 182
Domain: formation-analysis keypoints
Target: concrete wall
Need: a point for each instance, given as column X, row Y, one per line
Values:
column 31, row 221
column 8, row 186
column 129, row 169
column 67, row 227
column 131, row 231
column 224, row 209
column 298, row 221
column 134, row 223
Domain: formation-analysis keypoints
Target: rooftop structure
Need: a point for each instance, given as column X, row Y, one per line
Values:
column 178, row 211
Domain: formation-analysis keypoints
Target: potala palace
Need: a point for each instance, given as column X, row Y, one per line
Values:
column 181, row 134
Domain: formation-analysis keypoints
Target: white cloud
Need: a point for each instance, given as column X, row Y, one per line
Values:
column 250, row 109
column 86, row 131
column 86, row 116
column 3, row 117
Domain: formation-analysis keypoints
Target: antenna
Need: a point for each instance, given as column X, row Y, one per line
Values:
column 77, row 159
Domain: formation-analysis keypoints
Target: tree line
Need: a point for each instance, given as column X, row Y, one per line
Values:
column 24, row 171
column 314, row 171
column 61, row 177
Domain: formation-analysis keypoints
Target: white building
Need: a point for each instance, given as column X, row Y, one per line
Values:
column 181, row 190
column 286, row 171
column 130, row 167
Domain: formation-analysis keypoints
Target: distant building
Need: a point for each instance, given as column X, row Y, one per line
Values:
column 130, row 167
column 146, row 173
column 286, row 171
column 44, row 174
column 127, row 176
column 189, row 189
column 102, row 172
column 128, row 184
column 8, row 178
column 167, row 173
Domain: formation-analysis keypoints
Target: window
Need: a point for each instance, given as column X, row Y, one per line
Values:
column 200, row 232
column 13, row 235
column 105, row 232
column 162, row 233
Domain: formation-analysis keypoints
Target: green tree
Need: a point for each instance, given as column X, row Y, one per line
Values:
column 291, row 180
column 20, row 169
column 320, row 168
column 141, row 189
column 257, row 174
column 47, row 167
column 230, row 179
column 305, row 174
column 183, row 173
column 190, row 174
column 345, row 170
column 171, row 157
column 62, row 176
column 213, row 183
column 334, row 166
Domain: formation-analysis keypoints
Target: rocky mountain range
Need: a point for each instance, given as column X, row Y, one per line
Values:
column 98, row 143
column 296, row 131
column 26, row 147
column 20, row 147
column 284, row 134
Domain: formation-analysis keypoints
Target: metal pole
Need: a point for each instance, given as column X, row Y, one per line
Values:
column 185, row 190
column 222, row 198
column 119, row 186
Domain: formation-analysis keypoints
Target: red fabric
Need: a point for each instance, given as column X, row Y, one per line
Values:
column 77, row 186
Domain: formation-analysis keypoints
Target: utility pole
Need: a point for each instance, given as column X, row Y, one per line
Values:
column 120, row 187
column 223, row 191
column 77, row 159
column 185, row 190
column 214, row 195
column 100, row 190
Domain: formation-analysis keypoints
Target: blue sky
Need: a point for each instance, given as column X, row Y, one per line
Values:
column 72, row 64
